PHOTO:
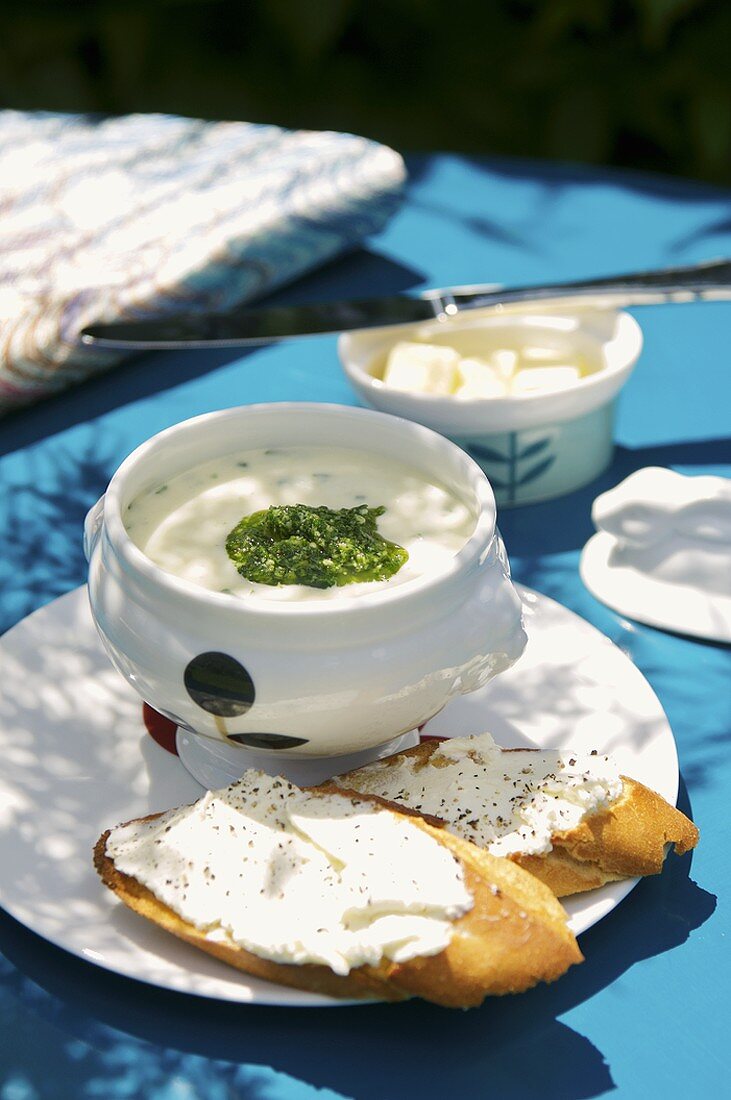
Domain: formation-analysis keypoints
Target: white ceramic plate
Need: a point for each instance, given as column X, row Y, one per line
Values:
column 76, row 759
column 650, row 600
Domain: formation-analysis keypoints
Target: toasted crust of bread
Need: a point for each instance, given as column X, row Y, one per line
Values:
column 628, row 839
column 514, row 936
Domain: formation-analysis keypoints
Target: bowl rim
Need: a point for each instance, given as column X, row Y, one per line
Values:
column 135, row 562
column 632, row 333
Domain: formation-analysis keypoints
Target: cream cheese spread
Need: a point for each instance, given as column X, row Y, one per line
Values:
column 182, row 524
column 297, row 878
column 507, row 802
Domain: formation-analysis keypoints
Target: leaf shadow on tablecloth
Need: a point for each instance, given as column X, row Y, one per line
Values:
column 43, row 502
column 554, row 175
column 117, row 1030
column 541, row 234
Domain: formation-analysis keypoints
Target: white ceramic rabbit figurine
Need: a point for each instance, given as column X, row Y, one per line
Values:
column 662, row 551
column 673, row 527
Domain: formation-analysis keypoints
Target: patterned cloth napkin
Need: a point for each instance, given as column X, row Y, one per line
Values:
column 145, row 215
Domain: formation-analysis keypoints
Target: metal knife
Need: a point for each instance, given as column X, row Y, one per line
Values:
column 242, row 325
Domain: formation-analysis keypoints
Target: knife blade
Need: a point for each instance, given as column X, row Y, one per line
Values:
column 243, row 325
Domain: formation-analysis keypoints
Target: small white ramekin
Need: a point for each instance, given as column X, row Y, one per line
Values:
column 316, row 678
column 531, row 446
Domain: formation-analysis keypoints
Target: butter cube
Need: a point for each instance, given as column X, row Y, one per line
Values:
column 422, row 368
column 479, row 380
column 537, row 354
column 535, row 379
column 504, row 361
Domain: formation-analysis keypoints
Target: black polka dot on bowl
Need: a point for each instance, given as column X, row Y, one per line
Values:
column 267, row 740
column 219, row 684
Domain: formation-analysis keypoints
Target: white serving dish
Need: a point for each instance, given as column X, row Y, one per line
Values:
column 77, row 760
column 662, row 551
column 532, row 446
column 312, row 678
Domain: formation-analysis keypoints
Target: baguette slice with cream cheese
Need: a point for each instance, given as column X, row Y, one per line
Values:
column 569, row 818
column 491, row 927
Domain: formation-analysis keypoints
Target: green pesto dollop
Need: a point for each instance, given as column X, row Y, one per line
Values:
column 318, row 547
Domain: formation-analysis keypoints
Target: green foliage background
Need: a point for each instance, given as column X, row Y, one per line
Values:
column 641, row 83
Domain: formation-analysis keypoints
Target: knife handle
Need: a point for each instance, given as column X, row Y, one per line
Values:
column 698, row 282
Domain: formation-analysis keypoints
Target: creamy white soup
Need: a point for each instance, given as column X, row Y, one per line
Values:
column 183, row 524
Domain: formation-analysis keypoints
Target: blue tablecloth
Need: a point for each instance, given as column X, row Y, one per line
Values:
column 647, row 1013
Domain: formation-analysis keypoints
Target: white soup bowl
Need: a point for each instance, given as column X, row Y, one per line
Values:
column 313, row 678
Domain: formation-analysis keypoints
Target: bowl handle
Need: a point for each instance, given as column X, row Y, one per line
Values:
column 93, row 526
